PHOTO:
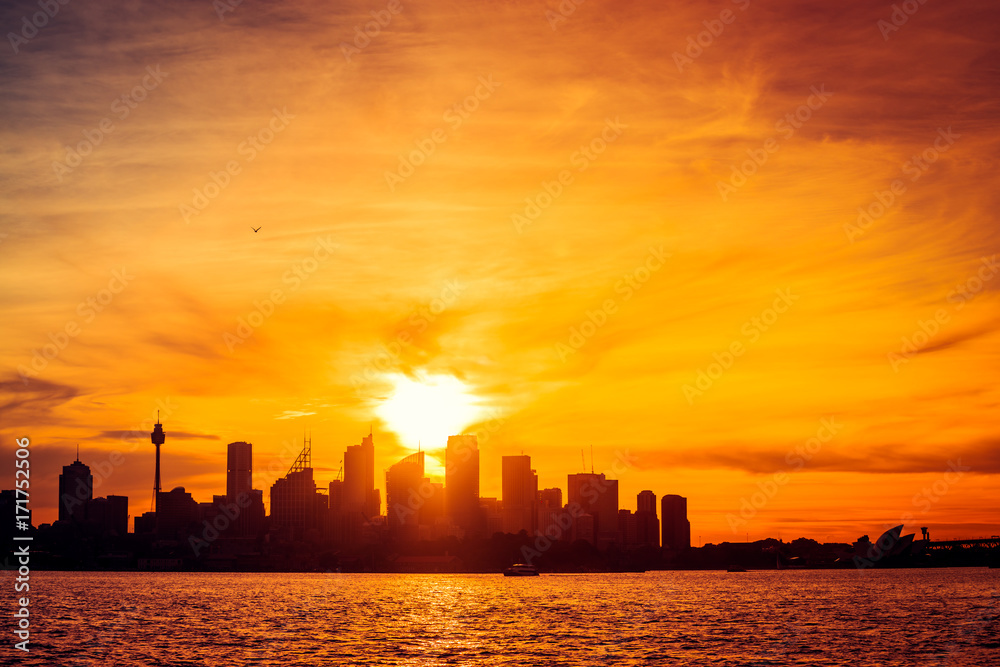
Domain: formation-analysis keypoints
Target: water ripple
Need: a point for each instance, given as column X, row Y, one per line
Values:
column 898, row 617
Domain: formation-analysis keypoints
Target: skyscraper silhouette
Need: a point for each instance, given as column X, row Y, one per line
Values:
column 108, row 516
column 335, row 498
column 646, row 502
column 240, row 491
column 359, row 492
column 76, row 488
column 628, row 538
column 550, row 510
column 520, row 494
column 676, row 527
column 598, row 497
column 647, row 526
column 177, row 513
column 462, row 485
column 403, row 499
column 239, row 469
column 295, row 505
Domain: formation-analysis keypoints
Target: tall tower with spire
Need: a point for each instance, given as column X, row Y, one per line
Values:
column 158, row 437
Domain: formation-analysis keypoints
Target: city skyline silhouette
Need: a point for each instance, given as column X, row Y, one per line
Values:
column 428, row 526
column 579, row 332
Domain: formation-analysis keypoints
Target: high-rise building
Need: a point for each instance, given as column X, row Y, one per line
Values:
column 520, row 492
column 239, row 469
column 108, row 516
column 295, row 504
column 336, row 519
column 646, row 502
column 551, row 498
column 598, row 497
column 553, row 521
column 675, row 524
column 116, row 520
column 462, row 485
column 145, row 523
column 249, row 521
column 257, row 514
column 432, row 513
column 360, row 494
column 177, row 513
column 493, row 519
column 647, row 525
column 402, row 494
column 76, row 489
column 627, row 530
column 354, row 479
column 607, row 513
column 336, row 497
column 584, row 526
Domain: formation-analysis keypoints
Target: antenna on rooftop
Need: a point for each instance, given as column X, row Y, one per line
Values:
column 304, row 459
column 591, row 459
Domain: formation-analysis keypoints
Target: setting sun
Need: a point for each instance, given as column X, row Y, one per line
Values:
column 428, row 409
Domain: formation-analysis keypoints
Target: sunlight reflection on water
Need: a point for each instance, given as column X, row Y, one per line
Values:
column 887, row 617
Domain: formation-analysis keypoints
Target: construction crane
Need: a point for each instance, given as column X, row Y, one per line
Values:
column 340, row 473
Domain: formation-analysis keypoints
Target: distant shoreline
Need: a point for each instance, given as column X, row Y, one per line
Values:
column 543, row 572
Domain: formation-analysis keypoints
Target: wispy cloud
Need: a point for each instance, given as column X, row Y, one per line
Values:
column 293, row 414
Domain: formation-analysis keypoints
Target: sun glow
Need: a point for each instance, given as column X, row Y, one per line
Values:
column 428, row 409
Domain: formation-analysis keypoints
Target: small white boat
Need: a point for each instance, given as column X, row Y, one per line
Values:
column 521, row 570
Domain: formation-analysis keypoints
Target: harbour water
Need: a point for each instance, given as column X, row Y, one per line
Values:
column 874, row 617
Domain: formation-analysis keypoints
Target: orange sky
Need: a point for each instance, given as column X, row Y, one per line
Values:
column 684, row 157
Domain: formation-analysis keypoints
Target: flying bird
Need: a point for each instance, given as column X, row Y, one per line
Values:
column 255, row 230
